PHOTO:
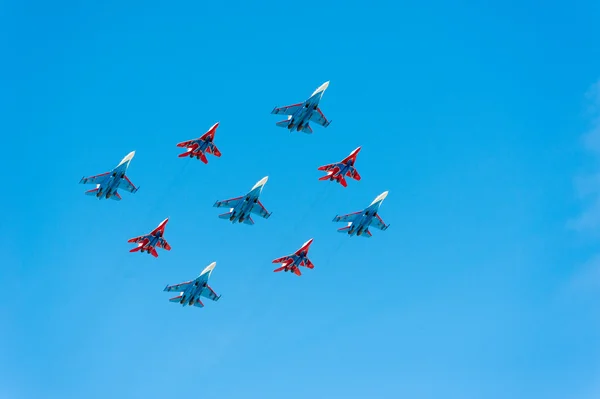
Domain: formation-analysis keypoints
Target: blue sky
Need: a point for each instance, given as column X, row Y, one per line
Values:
column 482, row 121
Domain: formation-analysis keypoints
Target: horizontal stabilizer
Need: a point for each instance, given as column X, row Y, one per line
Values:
column 344, row 229
column 92, row 192
column 185, row 154
column 115, row 196
column 284, row 123
column 198, row 303
column 366, row 233
column 307, row 129
column 343, row 181
column 225, row 215
column 136, row 249
column 176, row 298
column 153, row 252
column 249, row 221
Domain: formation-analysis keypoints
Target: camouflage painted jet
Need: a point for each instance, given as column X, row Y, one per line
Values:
column 299, row 115
column 148, row 242
column 359, row 222
column 197, row 147
column 298, row 258
column 108, row 183
column 242, row 207
column 337, row 171
column 191, row 291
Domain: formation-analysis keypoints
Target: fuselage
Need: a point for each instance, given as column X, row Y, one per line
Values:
column 200, row 146
column 343, row 169
column 110, row 184
column 243, row 209
column 363, row 221
column 192, row 293
column 302, row 116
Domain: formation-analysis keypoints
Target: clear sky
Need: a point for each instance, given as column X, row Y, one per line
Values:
column 481, row 120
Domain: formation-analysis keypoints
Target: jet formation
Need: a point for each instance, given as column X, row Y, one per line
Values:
column 243, row 207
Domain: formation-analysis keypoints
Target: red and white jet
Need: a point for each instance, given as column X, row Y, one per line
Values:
column 197, row 147
column 337, row 171
column 298, row 258
column 148, row 242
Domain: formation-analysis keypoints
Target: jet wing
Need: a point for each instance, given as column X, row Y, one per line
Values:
column 186, row 143
column 209, row 293
column 178, row 287
column 98, row 179
column 260, row 210
column 347, row 218
column 162, row 243
column 127, row 185
column 137, row 239
column 287, row 110
column 229, row 203
column 329, row 167
column 318, row 117
column 378, row 223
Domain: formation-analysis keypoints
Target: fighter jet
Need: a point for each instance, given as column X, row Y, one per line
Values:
column 337, row 171
column 197, row 147
column 191, row 291
column 242, row 207
column 108, row 183
column 300, row 114
column 359, row 222
column 298, row 258
column 148, row 242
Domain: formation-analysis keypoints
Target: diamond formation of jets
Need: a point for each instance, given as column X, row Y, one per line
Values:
column 337, row 171
column 149, row 242
column 108, row 183
column 198, row 147
column 291, row 263
column 241, row 207
column 359, row 222
column 191, row 291
column 299, row 115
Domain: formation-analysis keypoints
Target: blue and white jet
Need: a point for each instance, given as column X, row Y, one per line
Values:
column 242, row 207
column 191, row 291
column 299, row 115
column 359, row 222
column 108, row 183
